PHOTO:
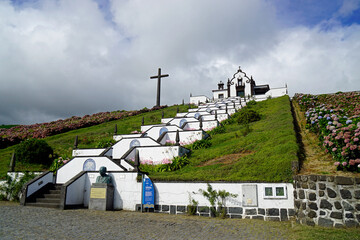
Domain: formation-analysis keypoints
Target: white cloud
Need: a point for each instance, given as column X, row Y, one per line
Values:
column 64, row 58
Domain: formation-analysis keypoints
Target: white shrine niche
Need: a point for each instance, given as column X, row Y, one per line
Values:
column 250, row 198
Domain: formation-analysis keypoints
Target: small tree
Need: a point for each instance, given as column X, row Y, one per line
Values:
column 217, row 198
column 34, row 151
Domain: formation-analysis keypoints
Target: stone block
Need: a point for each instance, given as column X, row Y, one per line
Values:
column 172, row 209
column 272, row 212
column 336, row 215
column 330, row 178
column 351, row 223
column 337, row 205
column 261, row 211
column 324, row 222
column 357, row 194
column 303, row 205
column 276, row 219
column 313, row 178
column 251, row 211
column 321, row 193
column 164, row 208
column 284, row 214
column 349, row 215
column 322, row 186
column 347, row 206
column 312, row 196
column 258, row 217
column 339, row 225
column 237, row 210
column 312, row 214
column 180, row 208
column 204, row 215
column 203, row 209
column 357, row 206
column 304, row 185
column 310, row 222
column 325, row 204
column 313, row 206
column 322, row 178
column 345, row 194
column 235, row 216
column 344, row 180
column 301, row 194
column 291, row 212
column 304, row 178
column 331, row 193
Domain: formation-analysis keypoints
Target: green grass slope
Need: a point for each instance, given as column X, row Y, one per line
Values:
column 88, row 137
column 264, row 155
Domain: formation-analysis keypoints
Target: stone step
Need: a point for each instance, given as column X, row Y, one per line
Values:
column 54, row 191
column 51, row 195
column 44, row 205
column 48, row 200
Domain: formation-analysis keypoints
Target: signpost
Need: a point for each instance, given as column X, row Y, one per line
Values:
column 148, row 193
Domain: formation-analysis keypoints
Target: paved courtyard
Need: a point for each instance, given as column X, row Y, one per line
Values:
column 18, row 222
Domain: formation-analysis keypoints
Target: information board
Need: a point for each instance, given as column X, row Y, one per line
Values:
column 148, row 193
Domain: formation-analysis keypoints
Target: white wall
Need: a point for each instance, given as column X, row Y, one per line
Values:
column 119, row 137
column 75, row 166
column 186, row 137
column 195, row 99
column 155, row 154
column 127, row 191
column 122, row 146
column 178, row 194
column 154, row 132
column 75, row 191
column 87, row 152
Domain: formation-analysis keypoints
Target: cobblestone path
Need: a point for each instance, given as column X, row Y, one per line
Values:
column 18, row 222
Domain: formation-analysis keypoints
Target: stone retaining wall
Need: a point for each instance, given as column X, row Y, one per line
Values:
column 269, row 214
column 327, row 200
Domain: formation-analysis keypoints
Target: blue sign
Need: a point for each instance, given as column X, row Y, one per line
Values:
column 148, row 193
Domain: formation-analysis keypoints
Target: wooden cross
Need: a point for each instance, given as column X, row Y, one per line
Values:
column 159, row 76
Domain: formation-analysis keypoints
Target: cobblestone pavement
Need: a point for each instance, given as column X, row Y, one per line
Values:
column 18, row 222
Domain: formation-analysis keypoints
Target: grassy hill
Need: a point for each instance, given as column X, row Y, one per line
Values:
column 88, row 137
column 264, row 154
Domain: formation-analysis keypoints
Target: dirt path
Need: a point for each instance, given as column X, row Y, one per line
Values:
column 315, row 161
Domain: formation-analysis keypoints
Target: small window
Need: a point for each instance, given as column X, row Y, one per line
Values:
column 275, row 191
column 268, row 191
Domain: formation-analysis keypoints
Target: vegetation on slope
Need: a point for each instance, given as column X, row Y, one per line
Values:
column 260, row 151
column 89, row 137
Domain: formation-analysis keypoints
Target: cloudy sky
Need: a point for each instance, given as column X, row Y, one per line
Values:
column 60, row 58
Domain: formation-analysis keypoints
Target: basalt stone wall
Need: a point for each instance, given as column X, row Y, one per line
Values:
column 327, row 200
column 267, row 214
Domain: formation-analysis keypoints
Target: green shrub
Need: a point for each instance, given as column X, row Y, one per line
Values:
column 248, row 116
column 11, row 190
column 217, row 198
column 251, row 103
column 200, row 144
column 105, row 143
column 218, row 130
column 34, row 151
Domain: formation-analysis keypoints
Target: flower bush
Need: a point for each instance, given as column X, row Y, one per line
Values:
column 336, row 120
column 14, row 135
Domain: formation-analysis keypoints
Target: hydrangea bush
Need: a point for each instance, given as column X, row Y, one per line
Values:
column 336, row 120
